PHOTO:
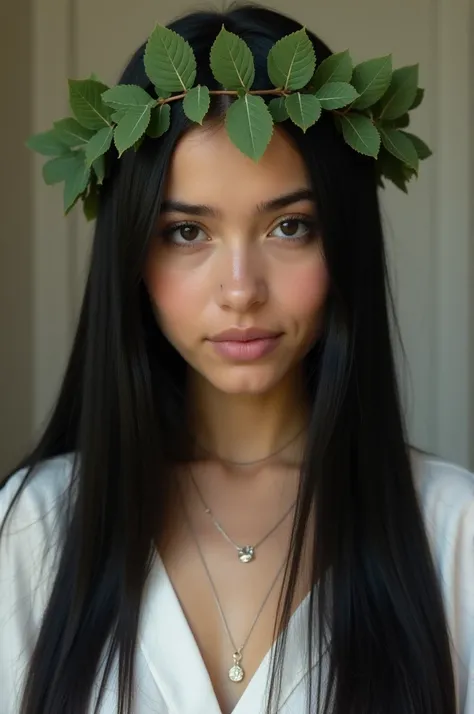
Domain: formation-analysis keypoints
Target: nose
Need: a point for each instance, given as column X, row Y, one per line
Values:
column 241, row 280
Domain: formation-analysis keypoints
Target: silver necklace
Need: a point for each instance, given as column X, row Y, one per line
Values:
column 257, row 461
column 246, row 553
column 236, row 671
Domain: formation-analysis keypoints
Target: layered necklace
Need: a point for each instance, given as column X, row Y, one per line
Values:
column 236, row 671
column 246, row 554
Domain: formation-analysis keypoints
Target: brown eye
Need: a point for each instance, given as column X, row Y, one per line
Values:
column 294, row 229
column 290, row 227
column 183, row 235
column 188, row 232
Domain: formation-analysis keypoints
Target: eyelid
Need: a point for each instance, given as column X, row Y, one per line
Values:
column 172, row 227
column 311, row 222
column 303, row 217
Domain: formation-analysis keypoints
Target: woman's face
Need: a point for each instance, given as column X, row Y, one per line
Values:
column 238, row 245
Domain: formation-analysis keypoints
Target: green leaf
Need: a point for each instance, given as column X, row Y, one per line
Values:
column 169, row 60
column 291, row 61
column 371, row 79
column 336, row 68
column 278, row 109
column 336, row 95
column 47, row 143
column 249, row 125
column 87, row 104
column 124, row 96
column 303, row 109
column 72, row 133
column 99, row 144
column 161, row 94
column 131, row 127
column 139, row 142
column 56, row 170
column 160, row 121
column 400, row 145
column 360, row 134
column 420, row 95
column 99, row 169
column 401, row 94
column 76, row 181
column 402, row 122
column 392, row 169
column 91, row 203
column 232, row 61
column 423, row 151
column 118, row 115
column 196, row 103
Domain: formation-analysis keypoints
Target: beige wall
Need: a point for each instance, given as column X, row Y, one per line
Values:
column 16, row 235
column 429, row 233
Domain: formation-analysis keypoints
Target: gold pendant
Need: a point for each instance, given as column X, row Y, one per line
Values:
column 246, row 553
column 236, row 673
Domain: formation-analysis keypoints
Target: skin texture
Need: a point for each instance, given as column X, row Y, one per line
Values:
column 238, row 411
column 239, row 269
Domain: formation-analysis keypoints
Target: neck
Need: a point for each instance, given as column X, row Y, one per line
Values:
column 245, row 428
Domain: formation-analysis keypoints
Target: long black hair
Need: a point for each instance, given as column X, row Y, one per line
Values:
column 119, row 411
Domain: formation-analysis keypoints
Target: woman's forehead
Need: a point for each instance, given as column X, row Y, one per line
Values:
column 207, row 168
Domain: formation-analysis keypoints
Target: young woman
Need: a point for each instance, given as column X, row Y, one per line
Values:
column 224, row 497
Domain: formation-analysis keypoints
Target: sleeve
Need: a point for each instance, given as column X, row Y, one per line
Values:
column 26, row 569
column 447, row 497
column 15, row 597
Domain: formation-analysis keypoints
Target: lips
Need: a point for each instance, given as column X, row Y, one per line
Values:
column 247, row 345
column 244, row 335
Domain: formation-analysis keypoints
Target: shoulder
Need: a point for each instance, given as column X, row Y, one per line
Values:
column 437, row 477
column 36, row 505
column 31, row 513
column 30, row 540
column 446, row 496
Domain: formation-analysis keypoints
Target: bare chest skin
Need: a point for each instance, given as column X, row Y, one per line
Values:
column 247, row 509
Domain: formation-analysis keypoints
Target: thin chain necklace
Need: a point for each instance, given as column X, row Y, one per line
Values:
column 246, row 553
column 236, row 671
column 257, row 461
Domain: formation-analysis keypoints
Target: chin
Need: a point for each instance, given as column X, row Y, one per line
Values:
column 247, row 380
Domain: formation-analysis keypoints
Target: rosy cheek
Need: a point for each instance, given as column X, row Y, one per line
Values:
column 304, row 289
column 173, row 293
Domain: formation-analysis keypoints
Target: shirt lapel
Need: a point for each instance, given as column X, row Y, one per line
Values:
column 170, row 649
column 176, row 664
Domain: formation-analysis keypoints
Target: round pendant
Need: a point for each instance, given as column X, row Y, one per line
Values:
column 246, row 554
column 236, row 673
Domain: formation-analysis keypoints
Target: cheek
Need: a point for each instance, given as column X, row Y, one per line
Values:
column 175, row 294
column 303, row 290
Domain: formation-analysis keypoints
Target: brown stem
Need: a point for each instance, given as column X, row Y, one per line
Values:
column 279, row 92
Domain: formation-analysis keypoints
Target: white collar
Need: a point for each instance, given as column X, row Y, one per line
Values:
column 176, row 664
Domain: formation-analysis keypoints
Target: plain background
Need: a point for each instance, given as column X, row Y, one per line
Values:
column 429, row 234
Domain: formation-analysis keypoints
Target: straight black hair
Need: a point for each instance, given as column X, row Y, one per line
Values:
column 120, row 407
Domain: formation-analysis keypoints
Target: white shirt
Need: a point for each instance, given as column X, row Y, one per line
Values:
column 171, row 677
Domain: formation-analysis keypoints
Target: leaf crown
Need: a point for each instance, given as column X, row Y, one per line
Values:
column 370, row 104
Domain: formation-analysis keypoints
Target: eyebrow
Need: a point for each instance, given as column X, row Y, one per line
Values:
column 302, row 194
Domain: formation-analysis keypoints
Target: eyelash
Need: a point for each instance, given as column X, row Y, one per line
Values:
column 312, row 226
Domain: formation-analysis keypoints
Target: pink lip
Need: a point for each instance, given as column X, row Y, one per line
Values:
column 246, row 351
column 236, row 334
